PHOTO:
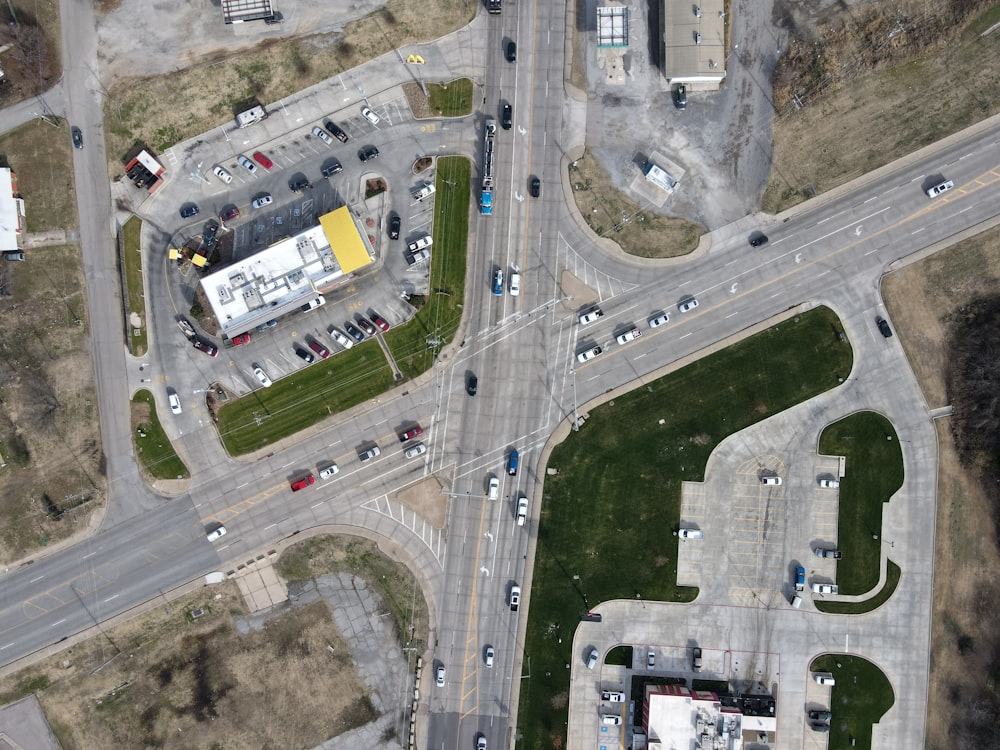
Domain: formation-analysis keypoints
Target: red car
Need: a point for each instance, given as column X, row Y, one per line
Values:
column 366, row 326
column 230, row 213
column 415, row 431
column 380, row 321
column 321, row 350
column 202, row 346
column 262, row 160
column 243, row 338
column 301, row 484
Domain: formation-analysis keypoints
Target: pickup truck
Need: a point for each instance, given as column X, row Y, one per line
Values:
column 591, row 315
column 421, row 244
column 800, row 579
column 418, row 256
column 834, row 554
column 426, row 191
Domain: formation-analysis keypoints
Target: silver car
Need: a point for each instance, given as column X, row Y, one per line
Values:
column 323, row 136
column 248, row 165
column 415, row 450
column 328, row 471
column 687, row 305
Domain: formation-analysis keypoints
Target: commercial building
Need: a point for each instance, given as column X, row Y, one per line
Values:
column 11, row 213
column 694, row 43
column 677, row 716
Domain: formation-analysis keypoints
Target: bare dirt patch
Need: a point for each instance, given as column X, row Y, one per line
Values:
column 53, row 477
column 38, row 154
column 426, row 499
column 33, row 62
column 612, row 215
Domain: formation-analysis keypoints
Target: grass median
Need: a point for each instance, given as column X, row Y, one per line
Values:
column 152, row 446
column 859, row 698
column 350, row 377
column 608, row 514
column 132, row 258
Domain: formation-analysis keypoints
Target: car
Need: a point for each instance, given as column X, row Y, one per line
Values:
column 630, row 335
column 696, row 659
column 592, row 658
column 522, row 510
column 77, row 135
column 322, row 135
column 506, row 116
column 493, row 488
column 365, row 325
column 415, row 431
column 512, row 460
column 267, row 325
column 303, row 482
column 612, row 720
column 188, row 210
column 439, row 676
column 589, row 354
column 883, row 327
column 770, row 480
column 340, row 338
column 824, row 678
column 591, row 315
column 380, row 321
column 613, row 696
column 481, row 742
column 303, row 354
column 687, row 305
column 318, row 301
column 248, row 165
column 369, row 453
column 800, row 578
column 13, row 256
column 498, row 283
column 263, row 200
column 373, row 118
column 230, row 213
column 217, row 533
column 321, row 350
column 367, row 153
column 824, row 588
column 650, row 659
column 336, row 131
column 659, row 319
column 209, row 232
column 354, row 332
column 830, row 554
column 515, row 598
column 259, row 373
column 222, row 174
column 472, row 386
column 204, row 346
column 490, row 655
column 394, row 224
column 331, row 167
column 681, row 97
column 829, row 484
column 328, row 471
column 690, row 533
column 535, row 187
column 298, row 184
column 175, row 402
column 932, row 192
column 819, row 726
column 241, row 339
column 795, row 600
column 758, row 239
column 824, row 716
column 262, row 160
column 515, row 284
column 511, row 51
column 417, row 449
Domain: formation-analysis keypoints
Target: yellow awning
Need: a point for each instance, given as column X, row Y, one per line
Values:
column 344, row 236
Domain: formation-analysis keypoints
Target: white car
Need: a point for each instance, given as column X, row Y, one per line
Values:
column 481, row 742
column 611, row 719
column 248, row 165
column 824, row 588
column 323, row 136
column 659, row 320
column 328, row 471
column 216, row 533
column 592, row 658
column 493, row 489
column 264, row 200
column 650, row 659
column 490, row 653
column 420, row 244
column 824, row 678
column 515, row 598
column 262, row 376
column 829, row 484
column 775, row 481
column 439, row 676
column 630, row 335
column 522, row 511
column 515, row 284
column 222, row 174
column 370, row 116
column 370, row 453
column 415, row 450
column 340, row 338
column 688, row 304
column 690, row 533
column 312, row 304
column 589, row 354
column 940, row 188
column 591, row 315
column 175, row 402
column 613, row 696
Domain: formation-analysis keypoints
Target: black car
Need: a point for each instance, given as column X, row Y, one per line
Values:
column 511, row 52
column 208, row 235
column 368, row 152
column 758, row 239
column 366, row 326
column 883, row 327
column 820, row 716
column 506, row 117
column 298, row 184
column 472, row 387
column 353, row 332
column 332, row 167
column 681, row 97
column 77, row 137
column 535, row 187
column 394, row 224
column 335, row 131
column 307, row 356
column 189, row 210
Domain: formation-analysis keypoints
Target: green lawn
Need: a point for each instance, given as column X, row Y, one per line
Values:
column 892, row 574
column 152, row 446
column 350, row 377
column 132, row 252
column 608, row 515
column 452, row 99
column 873, row 472
column 861, row 696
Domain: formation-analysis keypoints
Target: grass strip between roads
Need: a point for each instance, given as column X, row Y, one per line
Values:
column 609, row 513
column 154, row 449
column 873, row 472
column 348, row 378
column 859, row 698
column 132, row 258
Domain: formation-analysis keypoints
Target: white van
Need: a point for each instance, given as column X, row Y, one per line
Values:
column 493, row 490
column 795, row 601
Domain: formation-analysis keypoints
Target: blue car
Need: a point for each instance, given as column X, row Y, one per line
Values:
column 512, row 463
column 498, row 284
